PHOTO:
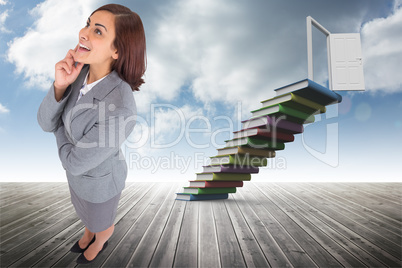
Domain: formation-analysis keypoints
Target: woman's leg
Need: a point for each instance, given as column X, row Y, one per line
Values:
column 97, row 246
column 86, row 238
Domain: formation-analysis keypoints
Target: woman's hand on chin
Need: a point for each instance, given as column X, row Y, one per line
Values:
column 66, row 71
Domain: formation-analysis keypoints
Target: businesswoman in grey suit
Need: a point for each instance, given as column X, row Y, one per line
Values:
column 91, row 110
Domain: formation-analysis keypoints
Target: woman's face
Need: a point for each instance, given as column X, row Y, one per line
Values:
column 96, row 40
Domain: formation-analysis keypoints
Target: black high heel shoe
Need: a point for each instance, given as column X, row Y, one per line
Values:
column 76, row 248
column 82, row 260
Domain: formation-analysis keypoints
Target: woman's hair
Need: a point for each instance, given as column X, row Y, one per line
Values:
column 130, row 44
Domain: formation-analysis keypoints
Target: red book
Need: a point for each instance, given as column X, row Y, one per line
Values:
column 264, row 134
column 215, row 184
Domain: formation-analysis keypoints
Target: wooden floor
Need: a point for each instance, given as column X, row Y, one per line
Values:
column 262, row 225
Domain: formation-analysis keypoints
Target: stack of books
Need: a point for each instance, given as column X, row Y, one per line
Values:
column 266, row 132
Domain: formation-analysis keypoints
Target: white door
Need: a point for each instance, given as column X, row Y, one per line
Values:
column 346, row 62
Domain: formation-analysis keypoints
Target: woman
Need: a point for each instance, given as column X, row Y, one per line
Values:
column 91, row 110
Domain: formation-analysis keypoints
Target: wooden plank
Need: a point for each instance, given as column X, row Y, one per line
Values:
column 132, row 227
column 313, row 227
column 186, row 252
column 326, row 224
column 23, row 208
column 378, row 204
column 229, row 248
column 57, row 246
column 392, row 189
column 249, row 246
column 372, row 193
column 292, row 250
column 56, row 243
column 347, row 228
column 316, row 252
column 373, row 235
column 208, row 250
column 33, row 220
column 166, row 249
column 348, row 218
column 393, row 195
column 34, row 226
column 13, row 240
column 270, row 248
column 31, row 244
column 6, row 187
column 387, row 222
column 31, row 189
column 61, row 257
column 143, row 253
column 49, row 248
column 266, row 222
column 364, row 216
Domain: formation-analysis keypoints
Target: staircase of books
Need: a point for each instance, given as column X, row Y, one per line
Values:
column 267, row 131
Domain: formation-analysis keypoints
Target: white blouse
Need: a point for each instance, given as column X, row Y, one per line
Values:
column 87, row 87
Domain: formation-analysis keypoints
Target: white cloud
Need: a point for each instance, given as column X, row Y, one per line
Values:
column 48, row 40
column 169, row 118
column 382, row 52
column 397, row 4
column 3, row 2
column 3, row 17
column 3, row 109
column 230, row 51
column 201, row 44
column 170, row 123
column 220, row 50
column 165, row 126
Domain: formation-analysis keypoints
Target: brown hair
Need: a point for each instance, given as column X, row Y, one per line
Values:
column 130, row 44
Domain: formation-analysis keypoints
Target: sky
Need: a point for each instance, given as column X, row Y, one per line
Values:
column 209, row 63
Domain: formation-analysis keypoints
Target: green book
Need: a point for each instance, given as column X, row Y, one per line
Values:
column 241, row 160
column 282, row 110
column 221, row 190
column 223, row 177
column 296, row 102
column 199, row 197
column 256, row 143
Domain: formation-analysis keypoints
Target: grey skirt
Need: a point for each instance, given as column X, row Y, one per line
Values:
column 97, row 217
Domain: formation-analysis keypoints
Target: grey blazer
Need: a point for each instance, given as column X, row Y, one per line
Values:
column 89, row 134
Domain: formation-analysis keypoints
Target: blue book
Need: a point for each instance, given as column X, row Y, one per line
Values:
column 198, row 197
column 312, row 91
